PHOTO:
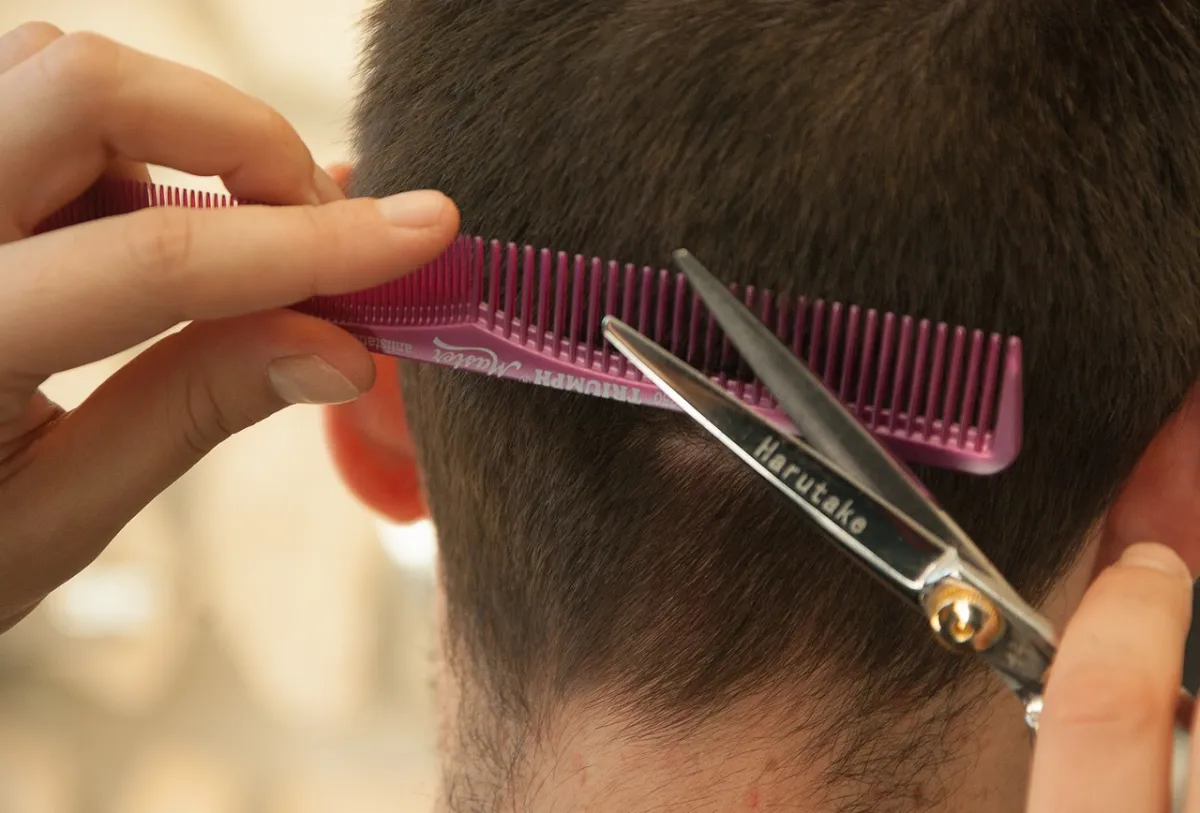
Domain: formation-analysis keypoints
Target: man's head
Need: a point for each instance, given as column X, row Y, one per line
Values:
column 1025, row 167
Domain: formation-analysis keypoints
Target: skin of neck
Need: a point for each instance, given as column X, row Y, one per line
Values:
column 970, row 750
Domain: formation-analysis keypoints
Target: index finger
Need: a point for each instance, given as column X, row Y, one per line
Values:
column 83, row 99
column 79, row 294
column 1104, row 738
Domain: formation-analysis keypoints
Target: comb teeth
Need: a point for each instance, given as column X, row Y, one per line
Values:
column 928, row 384
column 118, row 196
column 937, row 395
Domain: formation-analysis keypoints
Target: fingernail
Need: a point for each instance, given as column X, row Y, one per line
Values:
column 413, row 210
column 310, row 380
column 1155, row 557
column 327, row 188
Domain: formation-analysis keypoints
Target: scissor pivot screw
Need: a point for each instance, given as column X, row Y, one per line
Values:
column 963, row 618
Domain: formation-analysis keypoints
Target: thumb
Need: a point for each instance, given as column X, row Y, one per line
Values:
column 150, row 423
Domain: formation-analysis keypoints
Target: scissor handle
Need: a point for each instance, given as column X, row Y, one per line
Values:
column 1180, row 757
column 1181, row 750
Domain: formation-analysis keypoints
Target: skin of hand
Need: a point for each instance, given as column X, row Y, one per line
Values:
column 74, row 108
column 1104, row 740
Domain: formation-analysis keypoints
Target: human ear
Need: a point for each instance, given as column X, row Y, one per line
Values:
column 373, row 451
column 1160, row 502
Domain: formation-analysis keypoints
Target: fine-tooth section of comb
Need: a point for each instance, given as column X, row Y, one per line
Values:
column 118, row 196
column 934, row 394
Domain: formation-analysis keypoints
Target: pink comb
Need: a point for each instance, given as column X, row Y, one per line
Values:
column 935, row 395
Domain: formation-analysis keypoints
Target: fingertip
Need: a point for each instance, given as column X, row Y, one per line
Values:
column 342, row 175
column 364, row 372
column 328, row 190
column 285, row 173
column 310, row 379
column 40, row 32
column 337, row 346
column 24, row 41
column 445, row 226
column 422, row 224
column 1157, row 557
column 452, row 215
column 419, row 209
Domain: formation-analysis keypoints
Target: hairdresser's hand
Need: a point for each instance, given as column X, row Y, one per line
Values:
column 1104, row 744
column 71, row 109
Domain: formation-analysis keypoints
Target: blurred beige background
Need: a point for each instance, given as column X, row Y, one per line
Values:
column 256, row 641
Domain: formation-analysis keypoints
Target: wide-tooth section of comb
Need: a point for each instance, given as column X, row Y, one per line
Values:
column 935, row 394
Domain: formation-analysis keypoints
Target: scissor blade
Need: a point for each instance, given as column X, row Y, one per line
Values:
column 880, row 537
column 819, row 416
column 896, row 548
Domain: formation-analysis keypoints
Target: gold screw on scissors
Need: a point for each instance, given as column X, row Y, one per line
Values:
column 897, row 530
column 962, row 618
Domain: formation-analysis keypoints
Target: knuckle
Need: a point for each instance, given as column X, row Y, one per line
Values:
column 83, row 64
column 1104, row 700
column 205, row 424
column 324, row 237
column 277, row 132
column 272, row 124
column 159, row 250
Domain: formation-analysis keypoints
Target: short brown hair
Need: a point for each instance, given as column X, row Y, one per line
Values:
column 1027, row 166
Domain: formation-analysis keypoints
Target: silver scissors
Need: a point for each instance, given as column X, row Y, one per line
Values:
column 864, row 499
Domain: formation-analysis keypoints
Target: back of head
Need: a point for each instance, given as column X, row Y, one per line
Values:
column 1020, row 166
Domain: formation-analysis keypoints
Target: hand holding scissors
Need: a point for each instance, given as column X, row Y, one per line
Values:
column 1114, row 725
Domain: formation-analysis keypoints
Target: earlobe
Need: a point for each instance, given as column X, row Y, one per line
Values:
column 1160, row 501
column 373, row 450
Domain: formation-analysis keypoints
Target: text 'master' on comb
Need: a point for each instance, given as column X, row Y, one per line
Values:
column 934, row 394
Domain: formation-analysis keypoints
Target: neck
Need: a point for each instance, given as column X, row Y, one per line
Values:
column 968, row 749
column 955, row 753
